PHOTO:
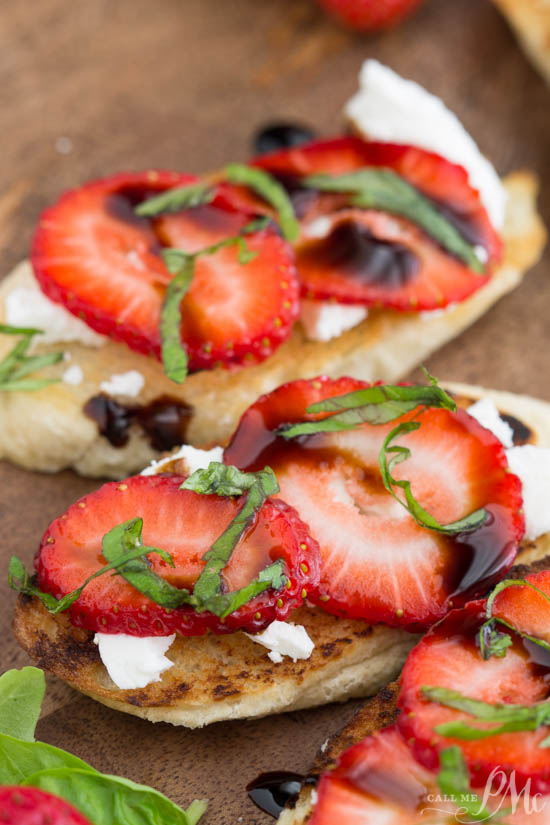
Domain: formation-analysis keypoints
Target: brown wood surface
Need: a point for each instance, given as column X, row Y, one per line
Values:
column 183, row 84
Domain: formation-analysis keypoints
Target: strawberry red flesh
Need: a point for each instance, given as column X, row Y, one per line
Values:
column 370, row 15
column 31, row 806
column 449, row 657
column 378, row 564
column 103, row 263
column 185, row 524
column 362, row 252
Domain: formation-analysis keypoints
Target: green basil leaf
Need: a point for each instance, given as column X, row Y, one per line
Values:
column 195, row 811
column 19, row 579
column 222, row 604
column 20, row 759
column 221, row 479
column 372, row 405
column 509, row 718
column 271, row 191
column 125, row 538
column 174, row 355
column 454, row 782
column 21, row 695
column 493, row 642
column 16, row 365
column 181, row 197
column 398, row 454
column 106, row 800
column 384, row 189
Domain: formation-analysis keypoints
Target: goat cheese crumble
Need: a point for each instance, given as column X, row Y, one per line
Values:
column 324, row 320
column 125, row 383
column 284, row 639
column 134, row 661
column 194, row 458
column 389, row 108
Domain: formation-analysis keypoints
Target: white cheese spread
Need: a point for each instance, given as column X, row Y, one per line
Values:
column 324, row 320
column 73, row 375
column 486, row 412
column 134, row 661
column 27, row 306
column 194, row 458
column 284, row 639
column 128, row 383
column 532, row 465
column 389, row 108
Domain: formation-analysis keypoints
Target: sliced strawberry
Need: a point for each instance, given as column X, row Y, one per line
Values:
column 185, row 524
column 449, row 657
column 526, row 609
column 95, row 256
column 369, row 15
column 31, row 806
column 378, row 564
column 372, row 257
column 378, row 782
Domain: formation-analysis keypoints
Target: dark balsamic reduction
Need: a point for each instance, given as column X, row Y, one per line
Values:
column 277, row 136
column 354, row 252
column 520, row 431
column 164, row 420
column 272, row 791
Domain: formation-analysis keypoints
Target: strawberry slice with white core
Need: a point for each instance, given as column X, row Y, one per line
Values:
column 378, row 564
column 378, row 782
column 103, row 263
column 185, row 524
column 32, row 806
column 372, row 256
column 449, row 657
column 526, row 609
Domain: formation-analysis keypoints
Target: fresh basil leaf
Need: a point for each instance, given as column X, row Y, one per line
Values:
column 173, row 200
column 489, row 637
column 221, row 479
column 125, row 538
column 21, row 695
column 399, row 454
column 195, row 811
column 454, row 782
column 271, row 191
column 19, row 579
column 384, row 189
column 373, row 405
column 174, row 355
column 222, row 604
column 105, row 799
column 20, row 759
column 17, row 365
column 509, row 718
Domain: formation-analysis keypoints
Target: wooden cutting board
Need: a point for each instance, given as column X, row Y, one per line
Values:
column 89, row 89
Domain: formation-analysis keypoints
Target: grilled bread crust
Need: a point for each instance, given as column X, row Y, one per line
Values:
column 47, row 430
column 231, row 677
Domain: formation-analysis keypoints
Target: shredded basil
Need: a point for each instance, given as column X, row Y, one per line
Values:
column 398, row 454
column 223, row 480
column 507, row 718
column 181, row 265
column 493, row 642
column 172, row 200
column 383, row 189
column 372, row 405
column 19, row 579
column 17, row 364
column 271, row 191
column 454, row 782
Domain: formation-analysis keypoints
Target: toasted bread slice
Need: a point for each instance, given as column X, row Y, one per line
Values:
column 47, row 430
column 531, row 21
column 378, row 713
column 230, row 677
